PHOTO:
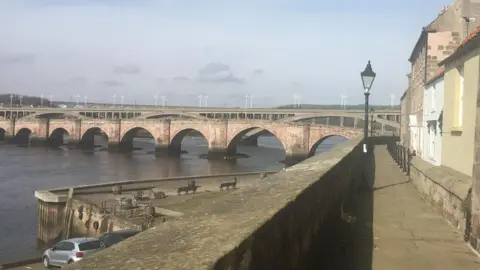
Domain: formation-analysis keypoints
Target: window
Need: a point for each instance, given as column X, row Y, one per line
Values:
column 96, row 244
column 461, row 83
column 433, row 97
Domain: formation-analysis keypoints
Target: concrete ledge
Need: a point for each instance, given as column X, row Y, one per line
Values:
column 20, row 263
column 47, row 196
column 159, row 180
column 442, row 186
column 272, row 225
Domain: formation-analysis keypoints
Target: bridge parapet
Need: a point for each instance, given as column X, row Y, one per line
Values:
column 286, row 221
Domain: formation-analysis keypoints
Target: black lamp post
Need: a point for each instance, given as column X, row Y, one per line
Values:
column 368, row 76
column 372, row 122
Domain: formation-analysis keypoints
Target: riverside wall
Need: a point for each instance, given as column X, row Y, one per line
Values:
column 298, row 218
column 51, row 205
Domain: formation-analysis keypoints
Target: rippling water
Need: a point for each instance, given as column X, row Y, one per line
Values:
column 24, row 170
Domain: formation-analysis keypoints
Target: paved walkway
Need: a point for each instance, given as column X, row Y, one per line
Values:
column 407, row 231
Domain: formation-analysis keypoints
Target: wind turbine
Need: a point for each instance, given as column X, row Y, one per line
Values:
column 164, row 100
column 246, row 100
column 200, row 98
column 156, row 100
column 392, row 100
column 206, row 101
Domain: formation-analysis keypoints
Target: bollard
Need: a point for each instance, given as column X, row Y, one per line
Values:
column 409, row 159
column 405, row 159
column 400, row 156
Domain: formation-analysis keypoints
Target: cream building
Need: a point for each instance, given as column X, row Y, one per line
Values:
column 462, row 74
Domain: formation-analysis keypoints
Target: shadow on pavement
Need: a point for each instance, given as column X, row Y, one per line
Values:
column 345, row 244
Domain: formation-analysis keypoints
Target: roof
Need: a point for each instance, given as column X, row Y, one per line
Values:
column 80, row 240
column 438, row 75
column 464, row 46
column 420, row 39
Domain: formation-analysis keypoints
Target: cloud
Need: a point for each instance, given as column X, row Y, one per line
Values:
column 217, row 72
column 127, row 69
column 77, row 81
column 297, row 84
column 12, row 59
column 181, row 79
column 258, row 71
column 112, row 83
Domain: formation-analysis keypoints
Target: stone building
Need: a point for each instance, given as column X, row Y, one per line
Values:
column 461, row 142
column 437, row 41
column 404, row 113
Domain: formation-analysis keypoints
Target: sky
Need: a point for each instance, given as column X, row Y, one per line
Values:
column 223, row 49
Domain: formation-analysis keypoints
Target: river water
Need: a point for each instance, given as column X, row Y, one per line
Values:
column 24, row 170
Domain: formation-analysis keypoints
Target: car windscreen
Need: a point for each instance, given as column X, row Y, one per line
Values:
column 90, row 245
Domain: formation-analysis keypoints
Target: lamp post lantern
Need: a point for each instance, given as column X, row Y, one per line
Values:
column 368, row 76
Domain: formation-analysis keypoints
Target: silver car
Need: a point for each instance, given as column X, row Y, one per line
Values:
column 70, row 251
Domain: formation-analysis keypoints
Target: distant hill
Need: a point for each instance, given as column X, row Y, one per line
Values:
column 26, row 100
column 338, row 107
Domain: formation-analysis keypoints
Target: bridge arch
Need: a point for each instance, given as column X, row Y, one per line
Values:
column 54, row 115
column 57, row 136
column 87, row 140
column 315, row 145
column 167, row 114
column 22, row 136
column 175, row 145
column 3, row 134
column 129, row 134
column 382, row 121
column 235, row 138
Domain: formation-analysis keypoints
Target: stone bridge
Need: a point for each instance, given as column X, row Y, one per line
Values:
column 223, row 136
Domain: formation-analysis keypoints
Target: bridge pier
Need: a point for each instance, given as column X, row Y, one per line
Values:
column 122, row 147
column 37, row 142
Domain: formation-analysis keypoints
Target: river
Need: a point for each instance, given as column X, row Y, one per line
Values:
column 24, row 170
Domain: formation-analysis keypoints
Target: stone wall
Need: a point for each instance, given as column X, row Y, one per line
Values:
column 290, row 220
column 88, row 220
column 447, row 189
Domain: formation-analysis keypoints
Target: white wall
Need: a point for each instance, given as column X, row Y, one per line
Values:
column 431, row 132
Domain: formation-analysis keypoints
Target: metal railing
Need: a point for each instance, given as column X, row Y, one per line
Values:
column 402, row 156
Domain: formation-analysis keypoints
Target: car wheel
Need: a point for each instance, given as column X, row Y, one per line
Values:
column 70, row 262
column 46, row 262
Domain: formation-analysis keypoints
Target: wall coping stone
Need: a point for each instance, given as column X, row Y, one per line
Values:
column 198, row 240
column 451, row 180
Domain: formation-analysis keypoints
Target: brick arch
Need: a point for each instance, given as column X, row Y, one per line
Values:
column 236, row 135
column 57, row 136
column 313, row 147
column 177, row 137
column 18, row 128
column 92, row 130
column 129, row 133
column 64, row 130
column 67, row 126
column 5, row 130
column 319, row 133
